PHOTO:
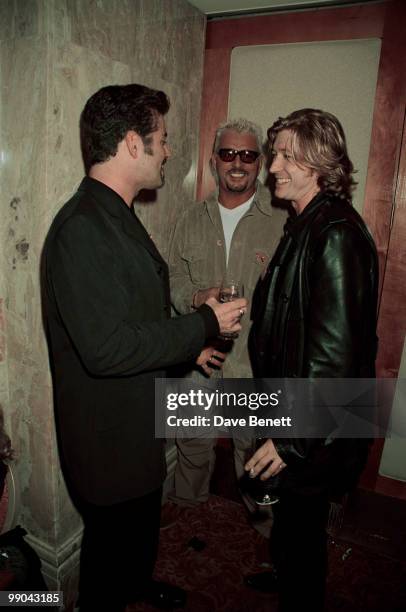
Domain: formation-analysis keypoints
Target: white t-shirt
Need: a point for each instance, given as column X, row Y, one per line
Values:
column 230, row 218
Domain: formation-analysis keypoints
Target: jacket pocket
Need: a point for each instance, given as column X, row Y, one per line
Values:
column 196, row 260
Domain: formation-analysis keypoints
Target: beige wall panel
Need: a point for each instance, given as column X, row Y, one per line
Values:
column 24, row 150
column 269, row 81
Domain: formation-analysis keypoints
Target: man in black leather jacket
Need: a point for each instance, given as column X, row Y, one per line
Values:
column 314, row 317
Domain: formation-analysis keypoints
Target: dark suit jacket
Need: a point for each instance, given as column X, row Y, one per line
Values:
column 106, row 299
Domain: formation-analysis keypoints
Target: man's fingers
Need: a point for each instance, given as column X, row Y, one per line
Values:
column 210, row 359
column 234, row 309
column 257, row 464
column 206, row 369
column 235, row 328
column 266, row 460
column 216, row 361
column 228, row 314
column 237, row 307
column 274, row 469
column 203, row 295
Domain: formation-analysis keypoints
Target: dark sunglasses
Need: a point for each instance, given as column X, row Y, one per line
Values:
column 246, row 156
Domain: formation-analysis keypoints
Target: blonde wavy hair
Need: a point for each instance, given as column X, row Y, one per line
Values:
column 318, row 142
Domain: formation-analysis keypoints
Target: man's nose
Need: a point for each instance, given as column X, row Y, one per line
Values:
column 275, row 165
column 168, row 151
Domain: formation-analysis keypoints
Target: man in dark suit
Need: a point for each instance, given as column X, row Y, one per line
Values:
column 106, row 299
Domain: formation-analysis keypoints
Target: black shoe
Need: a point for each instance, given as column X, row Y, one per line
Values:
column 165, row 596
column 266, row 582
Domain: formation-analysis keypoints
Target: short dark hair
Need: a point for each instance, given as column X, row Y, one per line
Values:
column 113, row 111
column 318, row 142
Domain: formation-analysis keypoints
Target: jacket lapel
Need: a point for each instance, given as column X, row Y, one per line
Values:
column 135, row 229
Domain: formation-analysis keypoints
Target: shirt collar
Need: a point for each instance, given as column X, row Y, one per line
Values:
column 110, row 199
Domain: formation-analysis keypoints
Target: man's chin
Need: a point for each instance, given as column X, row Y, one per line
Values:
column 237, row 185
column 159, row 183
column 237, row 188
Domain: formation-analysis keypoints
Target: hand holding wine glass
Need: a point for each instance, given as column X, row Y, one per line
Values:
column 230, row 290
column 228, row 314
column 265, row 466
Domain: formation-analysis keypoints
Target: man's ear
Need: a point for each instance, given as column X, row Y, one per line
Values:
column 133, row 142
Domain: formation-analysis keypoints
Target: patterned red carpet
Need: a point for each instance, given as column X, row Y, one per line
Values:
column 213, row 576
column 361, row 578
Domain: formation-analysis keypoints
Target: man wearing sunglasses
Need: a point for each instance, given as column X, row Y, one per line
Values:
column 234, row 232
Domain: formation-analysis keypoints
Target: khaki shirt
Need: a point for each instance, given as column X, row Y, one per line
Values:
column 197, row 260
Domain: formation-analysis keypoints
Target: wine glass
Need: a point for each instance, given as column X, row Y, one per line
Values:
column 263, row 492
column 230, row 290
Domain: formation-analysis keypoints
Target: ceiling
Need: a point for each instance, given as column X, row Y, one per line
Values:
column 219, row 8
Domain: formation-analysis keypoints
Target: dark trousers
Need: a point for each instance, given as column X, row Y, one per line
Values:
column 299, row 550
column 118, row 554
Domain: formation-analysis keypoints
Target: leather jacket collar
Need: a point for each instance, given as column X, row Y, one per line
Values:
column 296, row 223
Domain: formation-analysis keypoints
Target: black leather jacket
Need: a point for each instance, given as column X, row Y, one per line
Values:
column 314, row 312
